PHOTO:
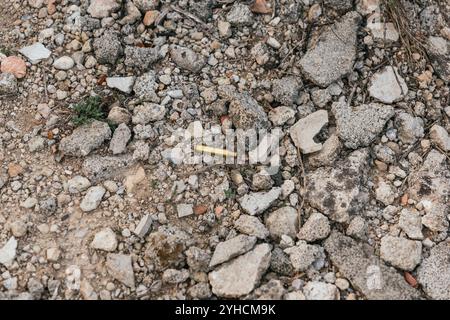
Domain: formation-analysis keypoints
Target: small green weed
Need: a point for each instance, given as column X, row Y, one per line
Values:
column 87, row 110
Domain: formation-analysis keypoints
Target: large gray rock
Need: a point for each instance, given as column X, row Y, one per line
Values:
column 232, row 248
column 246, row 113
column 283, row 221
column 338, row 191
column 359, row 126
column 98, row 168
column 141, row 58
column 241, row 275
column 400, row 252
column 107, row 47
column 410, row 222
column 366, row 272
column 148, row 112
column 332, row 55
column 257, row 202
column 187, row 59
column 124, row 84
column 85, row 139
column 120, row 267
column 434, row 272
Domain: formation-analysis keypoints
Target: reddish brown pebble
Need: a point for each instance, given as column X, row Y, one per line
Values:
column 200, row 209
column 14, row 65
column 150, row 17
column 260, row 6
column 410, row 279
column 404, row 200
column 218, row 211
column 51, row 8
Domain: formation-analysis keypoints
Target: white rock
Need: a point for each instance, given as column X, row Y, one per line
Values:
column 304, row 131
column 411, row 223
column 251, row 226
column 124, row 84
column 120, row 267
column 381, row 30
column 36, row 52
column 105, row 240
column 302, row 255
column 317, row 227
column 92, row 198
column 232, row 248
column 241, row 275
column 64, row 63
column 388, row 86
column 78, row 184
column 283, row 221
column 8, row 252
column 316, row 290
column 103, row 8
column 257, row 202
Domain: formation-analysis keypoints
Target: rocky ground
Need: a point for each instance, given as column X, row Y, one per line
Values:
column 95, row 206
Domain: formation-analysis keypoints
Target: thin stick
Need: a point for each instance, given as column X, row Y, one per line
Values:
column 189, row 15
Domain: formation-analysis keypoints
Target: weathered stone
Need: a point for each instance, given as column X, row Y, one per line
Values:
column 304, row 131
column 400, row 252
column 241, row 275
column 410, row 222
column 382, row 31
column 251, row 226
column 388, row 86
column 439, row 51
column 316, row 290
column 92, row 198
column 108, row 48
column 184, row 210
column 120, row 139
column 303, row 255
column 317, row 227
column 232, row 248
column 78, row 184
column 280, row 115
column 143, row 226
column 332, row 55
column 187, row 59
column 434, row 272
column 286, row 90
column 366, row 272
column 141, row 58
column 281, row 263
column 120, row 268
column 105, row 240
column 145, row 87
column 283, row 221
column 173, row 276
column 98, row 168
column 328, row 154
column 384, row 193
column 85, row 139
column 118, row 115
column 359, row 126
column 147, row 112
column 338, row 191
column 124, row 84
column 257, row 202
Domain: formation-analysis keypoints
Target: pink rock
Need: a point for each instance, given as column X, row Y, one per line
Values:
column 14, row 65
